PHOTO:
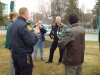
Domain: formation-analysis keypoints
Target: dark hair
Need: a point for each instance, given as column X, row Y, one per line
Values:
column 73, row 18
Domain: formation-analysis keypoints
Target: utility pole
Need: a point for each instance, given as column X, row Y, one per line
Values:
column 99, row 24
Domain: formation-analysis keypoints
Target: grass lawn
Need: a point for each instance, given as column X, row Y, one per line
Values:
column 91, row 64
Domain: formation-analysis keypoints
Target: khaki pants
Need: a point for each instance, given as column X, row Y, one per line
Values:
column 11, row 68
column 73, row 70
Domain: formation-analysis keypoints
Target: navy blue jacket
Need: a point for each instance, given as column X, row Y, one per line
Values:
column 22, row 39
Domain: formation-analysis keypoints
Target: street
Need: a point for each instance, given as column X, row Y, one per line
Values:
column 88, row 37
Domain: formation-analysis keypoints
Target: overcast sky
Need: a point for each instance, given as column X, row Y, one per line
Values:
column 33, row 4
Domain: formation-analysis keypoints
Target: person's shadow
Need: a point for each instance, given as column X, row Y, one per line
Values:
column 47, row 44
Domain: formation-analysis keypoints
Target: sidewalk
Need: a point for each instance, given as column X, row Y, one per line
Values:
column 2, row 31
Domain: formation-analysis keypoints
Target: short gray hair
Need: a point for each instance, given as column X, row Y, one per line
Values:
column 58, row 17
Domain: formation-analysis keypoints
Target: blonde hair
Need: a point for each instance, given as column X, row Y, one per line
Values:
column 13, row 15
column 22, row 11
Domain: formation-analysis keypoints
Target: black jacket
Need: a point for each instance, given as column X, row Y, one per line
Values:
column 22, row 39
column 56, row 29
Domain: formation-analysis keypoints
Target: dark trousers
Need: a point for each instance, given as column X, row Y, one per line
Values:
column 73, row 70
column 52, row 50
column 23, row 64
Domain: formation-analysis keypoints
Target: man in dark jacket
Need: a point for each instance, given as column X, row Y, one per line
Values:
column 22, row 42
column 73, row 45
column 57, row 28
column 41, row 36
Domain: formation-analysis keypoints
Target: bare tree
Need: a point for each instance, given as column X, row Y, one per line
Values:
column 34, row 17
column 58, row 8
column 45, row 8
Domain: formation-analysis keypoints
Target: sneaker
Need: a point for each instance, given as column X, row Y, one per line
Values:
column 48, row 62
column 42, row 59
column 59, row 63
column 34, row 66
column 35, row 59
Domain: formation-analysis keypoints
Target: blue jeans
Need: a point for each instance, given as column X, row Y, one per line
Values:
column 40, row 44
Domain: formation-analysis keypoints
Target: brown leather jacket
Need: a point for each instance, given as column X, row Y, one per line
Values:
column 73, row 45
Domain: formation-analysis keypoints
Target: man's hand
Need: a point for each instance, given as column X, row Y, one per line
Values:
column 40, row 26
column 36, row 32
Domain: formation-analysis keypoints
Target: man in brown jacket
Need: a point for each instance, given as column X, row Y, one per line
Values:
column 73, row 45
